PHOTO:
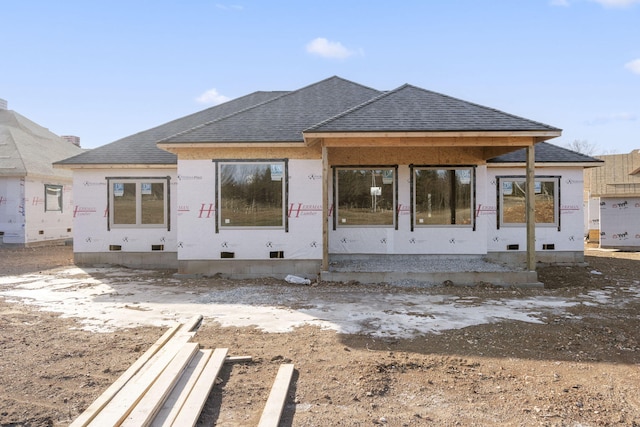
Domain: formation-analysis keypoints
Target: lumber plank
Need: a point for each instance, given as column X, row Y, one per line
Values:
column 277, row 397
column 114, row 413
column 238, row 359
column 193, row 324
column 149, row 405
column 90, row 413
column 190, row 411
column 181, row 391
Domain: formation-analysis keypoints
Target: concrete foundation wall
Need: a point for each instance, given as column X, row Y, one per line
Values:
column 518, row 258
column 252, row 269
column 145, row 260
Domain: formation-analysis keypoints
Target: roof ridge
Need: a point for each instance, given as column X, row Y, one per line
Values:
column 17, row 149
column 227, row 116
column 356, row 107
column 286, row 94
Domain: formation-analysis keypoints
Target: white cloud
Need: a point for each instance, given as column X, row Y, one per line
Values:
column 236, row 7
column 633, row 66
column 612, row 117
column 617, row 3
column 212, row 97
column 328, row 49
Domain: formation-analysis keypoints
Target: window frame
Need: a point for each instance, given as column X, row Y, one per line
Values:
column 59, row 188
column 218, row 194
column 556, row 179
column 472, row 195
column 336, row 195
column 138, row 181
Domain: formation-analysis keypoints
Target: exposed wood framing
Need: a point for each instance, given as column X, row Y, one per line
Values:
column 253, row 152
column 462, row 136
column 406, row 156
column 530, row 201
column 426, row 142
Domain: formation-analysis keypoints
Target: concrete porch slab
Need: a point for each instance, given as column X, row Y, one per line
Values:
column 428, row 271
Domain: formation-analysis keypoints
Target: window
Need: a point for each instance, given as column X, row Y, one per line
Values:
column 365, row 197
column 252, row 194
column 135, row 202
column 52, row 197
column 512, row 191
column 443, row 196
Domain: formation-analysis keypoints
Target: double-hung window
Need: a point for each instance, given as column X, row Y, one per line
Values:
column 138, row 202
column 443, row 196
column 365, row 197
column 252, row 194
column 52, row 197
column 512, row 193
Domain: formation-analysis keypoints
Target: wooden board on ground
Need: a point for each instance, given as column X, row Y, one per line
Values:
column 190, row 411
column 277, row 398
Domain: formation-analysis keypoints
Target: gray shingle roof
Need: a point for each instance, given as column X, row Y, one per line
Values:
column 546, row 153
column 284, row 118
column 409, row 108
column 331, row 105
column 141, row 148
column 29, row 149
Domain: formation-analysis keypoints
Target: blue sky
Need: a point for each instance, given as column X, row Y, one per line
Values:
column 103, row 70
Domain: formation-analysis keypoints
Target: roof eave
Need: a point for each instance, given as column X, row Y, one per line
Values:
column 116, row 165
column 172, row 146
column 545, row 164
column 313, row 136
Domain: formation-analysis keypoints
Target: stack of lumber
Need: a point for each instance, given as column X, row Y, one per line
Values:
column 170, row 383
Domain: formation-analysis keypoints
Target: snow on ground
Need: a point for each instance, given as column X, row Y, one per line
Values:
column 107, row 299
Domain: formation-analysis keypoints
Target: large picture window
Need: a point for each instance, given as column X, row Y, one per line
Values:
column 138, row 202
column 512, row 192
column 365, row 197
column 443, row 196
column 52, row 197
column 252, row 194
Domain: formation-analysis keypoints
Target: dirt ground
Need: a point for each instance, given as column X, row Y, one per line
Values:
column 576, row 370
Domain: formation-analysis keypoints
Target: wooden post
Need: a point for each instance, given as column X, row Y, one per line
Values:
column 326, row 176
column 530, row 201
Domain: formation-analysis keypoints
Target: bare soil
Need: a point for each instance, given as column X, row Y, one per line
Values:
column 577, row 370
